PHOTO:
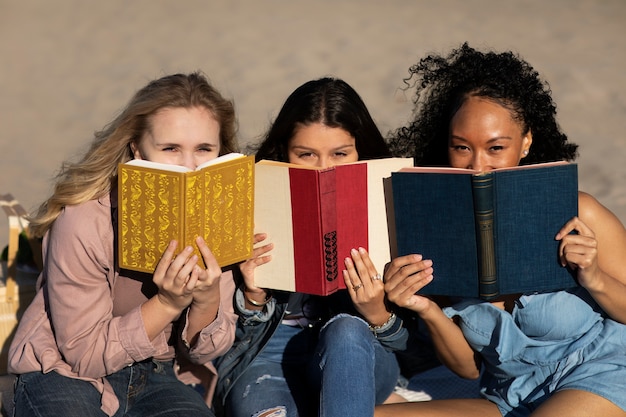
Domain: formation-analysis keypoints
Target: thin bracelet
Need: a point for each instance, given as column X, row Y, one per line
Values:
column 392, row 317
column 268, row 298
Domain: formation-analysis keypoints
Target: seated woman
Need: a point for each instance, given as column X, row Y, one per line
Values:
column 558, row 353
column 296, row 354
column 98, row 340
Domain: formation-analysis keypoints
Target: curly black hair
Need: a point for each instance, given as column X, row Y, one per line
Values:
column 444, row 83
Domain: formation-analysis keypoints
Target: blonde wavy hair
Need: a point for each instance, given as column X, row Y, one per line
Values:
column 95, row 174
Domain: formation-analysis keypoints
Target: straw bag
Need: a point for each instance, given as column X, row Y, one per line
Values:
column 17, row 287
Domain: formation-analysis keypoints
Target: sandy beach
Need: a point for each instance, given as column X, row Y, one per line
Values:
column 67, row 67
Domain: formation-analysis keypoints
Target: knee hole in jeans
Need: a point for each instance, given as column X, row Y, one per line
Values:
column 272, row 412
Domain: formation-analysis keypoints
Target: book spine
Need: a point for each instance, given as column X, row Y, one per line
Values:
column 328, row 208
column 352, row 213
column 482, row 186
column 314, row 232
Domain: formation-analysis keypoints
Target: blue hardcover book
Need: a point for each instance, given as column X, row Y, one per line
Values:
column 490, row 233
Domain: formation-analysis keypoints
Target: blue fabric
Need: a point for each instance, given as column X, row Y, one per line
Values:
column 294, row 366
column 147, row 388
column 550, row 342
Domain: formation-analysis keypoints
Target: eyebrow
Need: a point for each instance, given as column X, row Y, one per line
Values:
column 494, row 139
column 349, row 145
column 175, row 144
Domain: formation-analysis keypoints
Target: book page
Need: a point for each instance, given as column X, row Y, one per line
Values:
column 220, row 159
column 451, row 170
column 179, row 168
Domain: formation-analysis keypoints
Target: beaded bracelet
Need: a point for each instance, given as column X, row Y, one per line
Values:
column 268, row 298
column 391, row 318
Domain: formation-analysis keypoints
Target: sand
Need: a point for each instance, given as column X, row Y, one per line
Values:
column 67, row 67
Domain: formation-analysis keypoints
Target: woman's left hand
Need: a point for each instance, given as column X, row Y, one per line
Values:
column 365, row 286
column 206, row 292
column 579, row 251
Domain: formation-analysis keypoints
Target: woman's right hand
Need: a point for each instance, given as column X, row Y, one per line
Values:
column 404, row 277
column 176, row 277
column 258, row 258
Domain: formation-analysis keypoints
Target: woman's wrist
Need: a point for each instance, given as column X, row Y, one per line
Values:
column 256, row 298
column 378, row 326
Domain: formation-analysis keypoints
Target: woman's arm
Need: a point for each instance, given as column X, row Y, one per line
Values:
column 255, row 298
column 80, row 272
column 597, row 252
column 206, row 294
column 404, row 277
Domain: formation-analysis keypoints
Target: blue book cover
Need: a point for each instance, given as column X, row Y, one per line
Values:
column 488, row 234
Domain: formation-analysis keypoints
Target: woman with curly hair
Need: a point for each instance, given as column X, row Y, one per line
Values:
column 541, row 354
column 98, row 340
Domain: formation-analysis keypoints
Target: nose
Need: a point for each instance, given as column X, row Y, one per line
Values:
column 323, row 162
column 478, row 163
column 189, row 162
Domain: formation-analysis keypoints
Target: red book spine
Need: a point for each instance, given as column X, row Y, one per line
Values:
column 352, row 211
column 314, row 230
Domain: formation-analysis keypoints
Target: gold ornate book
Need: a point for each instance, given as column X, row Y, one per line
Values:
column 160, row 202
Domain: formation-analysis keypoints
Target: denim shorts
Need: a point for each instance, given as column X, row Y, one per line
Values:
column 548, row 343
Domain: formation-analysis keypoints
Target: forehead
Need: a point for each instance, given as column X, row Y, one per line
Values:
column 480, row 113
column 320, row 136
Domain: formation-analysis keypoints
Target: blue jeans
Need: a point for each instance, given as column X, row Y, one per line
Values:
column 147, row 388
column 344, row 373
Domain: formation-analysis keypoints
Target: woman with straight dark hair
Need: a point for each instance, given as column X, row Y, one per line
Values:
column 302, row 355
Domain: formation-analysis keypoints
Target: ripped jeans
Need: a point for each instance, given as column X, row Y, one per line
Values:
column 345, row 373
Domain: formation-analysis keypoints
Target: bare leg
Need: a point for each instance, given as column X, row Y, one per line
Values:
column 394, row 399
column 474, row 407
column 577, row 403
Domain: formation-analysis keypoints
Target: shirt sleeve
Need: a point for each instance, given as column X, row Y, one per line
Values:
column 79, row 272
column 216, row 338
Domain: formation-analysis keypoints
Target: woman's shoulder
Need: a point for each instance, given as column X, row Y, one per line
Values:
column 592, row 212
column 91, row 218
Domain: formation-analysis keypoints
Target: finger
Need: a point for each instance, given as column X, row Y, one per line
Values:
column 351, row 276
column 398, row 263
column 579, row 244
column 209, row 259
column 353, row 290
column 259, row 237
column 574, row 224
column 262, row 250
column 412, row 277
column 362, row 270
column 193, row 280
column 166, row 260
column 370, row 267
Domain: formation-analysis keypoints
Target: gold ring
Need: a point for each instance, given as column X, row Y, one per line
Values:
column 356, row 287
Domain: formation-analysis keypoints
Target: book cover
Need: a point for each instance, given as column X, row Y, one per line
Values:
column 490, row 233
column 160, row 202
column 315, row 217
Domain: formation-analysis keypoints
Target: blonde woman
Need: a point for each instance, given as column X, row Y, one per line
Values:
column 100, row 341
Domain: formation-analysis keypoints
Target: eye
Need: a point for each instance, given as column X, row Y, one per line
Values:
column 340, row 154
column 169, row 149
column 305, row 155
column 460, row 148
column 207, row 149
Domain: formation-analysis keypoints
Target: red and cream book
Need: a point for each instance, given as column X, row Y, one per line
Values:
column 315, row 217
